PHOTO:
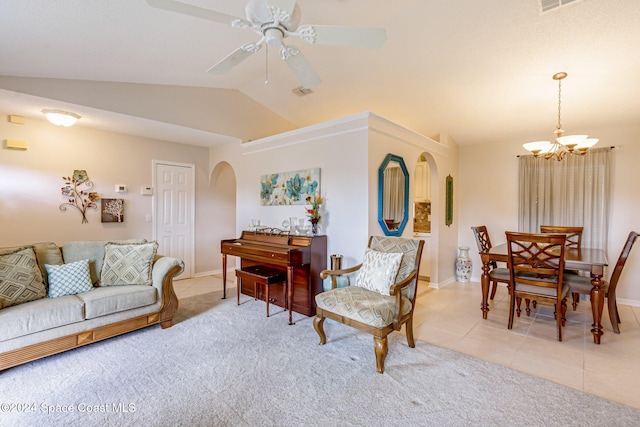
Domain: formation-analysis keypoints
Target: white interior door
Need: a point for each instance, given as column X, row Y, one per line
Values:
column 174, row 202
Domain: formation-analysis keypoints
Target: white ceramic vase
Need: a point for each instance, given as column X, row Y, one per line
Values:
column 463, row 264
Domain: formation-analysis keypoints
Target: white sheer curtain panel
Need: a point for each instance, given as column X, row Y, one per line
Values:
column 393, row 196
column 570, row 192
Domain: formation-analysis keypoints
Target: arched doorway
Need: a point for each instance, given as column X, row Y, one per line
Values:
column 222, row 208
column 425, row 218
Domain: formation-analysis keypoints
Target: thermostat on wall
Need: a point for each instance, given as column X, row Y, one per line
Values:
column 121, row 188
column 146, row 191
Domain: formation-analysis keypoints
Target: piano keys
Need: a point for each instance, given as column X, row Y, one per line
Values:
column 302, row 257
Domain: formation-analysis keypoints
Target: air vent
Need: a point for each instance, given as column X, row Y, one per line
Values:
column 302, row 91
column 545, row 6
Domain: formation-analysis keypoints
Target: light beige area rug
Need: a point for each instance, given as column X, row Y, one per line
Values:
column 224, row 365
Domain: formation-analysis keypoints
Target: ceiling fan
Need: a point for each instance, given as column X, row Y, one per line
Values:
column 275, row 20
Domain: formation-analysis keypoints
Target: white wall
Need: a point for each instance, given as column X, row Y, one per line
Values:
column 30, row 183
column 489, row 188
column 338, row 149
column 349, row 152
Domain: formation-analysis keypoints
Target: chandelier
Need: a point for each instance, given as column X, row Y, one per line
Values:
column 573, row 144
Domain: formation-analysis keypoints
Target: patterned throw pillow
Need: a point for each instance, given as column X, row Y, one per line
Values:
column 378, row 271
column 20, row 278
column 128, row 264
column 69, row 279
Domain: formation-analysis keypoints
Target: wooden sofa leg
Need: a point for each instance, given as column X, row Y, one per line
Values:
column 318, row 325
column 381, row 348
column 166, row 324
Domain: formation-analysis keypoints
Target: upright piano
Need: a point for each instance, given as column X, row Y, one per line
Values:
column 302, row 257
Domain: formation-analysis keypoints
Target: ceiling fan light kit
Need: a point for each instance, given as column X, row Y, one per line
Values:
column 562, row 145
column 273, row 21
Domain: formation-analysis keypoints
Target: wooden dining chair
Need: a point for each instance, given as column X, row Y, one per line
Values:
column 536, row 264
column 574, row 234
column 484, row 244
column 582, row 285
column 574, row 241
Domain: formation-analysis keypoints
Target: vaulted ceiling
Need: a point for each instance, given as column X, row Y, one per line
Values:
column 479, row 71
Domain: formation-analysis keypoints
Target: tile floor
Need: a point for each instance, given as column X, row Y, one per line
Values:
column 451, row 318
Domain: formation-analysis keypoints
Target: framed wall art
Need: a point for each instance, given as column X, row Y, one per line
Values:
column 289, row 188
column 112, row 210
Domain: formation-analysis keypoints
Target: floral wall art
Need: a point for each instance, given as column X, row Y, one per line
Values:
column 290, row 188
column 112, row 210
column 78, row 188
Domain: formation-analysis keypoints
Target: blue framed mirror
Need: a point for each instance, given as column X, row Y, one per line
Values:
column 393, row 195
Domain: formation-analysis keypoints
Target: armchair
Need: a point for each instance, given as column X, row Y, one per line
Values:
column 383, row 296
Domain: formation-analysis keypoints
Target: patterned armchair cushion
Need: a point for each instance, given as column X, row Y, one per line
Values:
column 407, row 247
column 378, row 271
column 128, row 264
column 362, row 305
column 69, row 279
column 20, row 277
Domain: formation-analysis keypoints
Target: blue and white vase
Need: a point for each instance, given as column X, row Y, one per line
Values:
column 463, row 264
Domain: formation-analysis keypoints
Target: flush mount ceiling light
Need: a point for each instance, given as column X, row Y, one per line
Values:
column 573, row 144
column 60, row 117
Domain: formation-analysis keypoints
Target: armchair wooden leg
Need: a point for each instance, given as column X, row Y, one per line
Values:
column 527, row 302
column 409, row 331
column 318, row 325
column 381, row 348
column 564, row 311
column 518, row 303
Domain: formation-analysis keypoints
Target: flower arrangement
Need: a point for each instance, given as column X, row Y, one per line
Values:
column 314, row 211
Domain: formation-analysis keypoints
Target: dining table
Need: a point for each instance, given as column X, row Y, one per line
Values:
column 589, row 260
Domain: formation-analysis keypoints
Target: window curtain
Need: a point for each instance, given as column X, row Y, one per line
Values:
column 393, row 195
column 570, row 192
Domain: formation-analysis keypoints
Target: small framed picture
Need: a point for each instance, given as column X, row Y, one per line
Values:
column 112, row 210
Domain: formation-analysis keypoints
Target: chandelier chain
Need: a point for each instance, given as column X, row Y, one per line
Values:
column 561, row 145
column 559, row 125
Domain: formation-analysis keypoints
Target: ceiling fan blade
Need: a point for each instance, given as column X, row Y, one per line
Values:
column 342, row 36
column 198, row 12
column 300, row 67
column 284, row 5
column 234, row 58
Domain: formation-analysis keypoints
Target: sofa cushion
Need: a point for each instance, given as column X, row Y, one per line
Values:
column 46, row 253
column 20, row 278
column 69, row 279
column 113, row 299
column 128, row 264
column 40, row 315
column 91, row 249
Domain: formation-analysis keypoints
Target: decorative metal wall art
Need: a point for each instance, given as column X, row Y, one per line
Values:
column 112, row 210
column 78, row 189
column 290, row 188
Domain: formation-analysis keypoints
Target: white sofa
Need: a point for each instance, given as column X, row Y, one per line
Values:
column 44, row 326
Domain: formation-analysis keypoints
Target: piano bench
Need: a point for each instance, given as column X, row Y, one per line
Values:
column 261, row 275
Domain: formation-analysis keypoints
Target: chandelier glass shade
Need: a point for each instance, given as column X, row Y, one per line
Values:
column 561, row 145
